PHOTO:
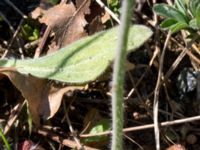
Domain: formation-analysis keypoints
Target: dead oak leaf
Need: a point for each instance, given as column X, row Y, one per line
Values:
column 76, row 25
column 43, row 99
column 58, row 15
column 67, row 23
column 55, row 18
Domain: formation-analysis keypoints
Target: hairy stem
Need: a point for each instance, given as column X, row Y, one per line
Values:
column 118, row 76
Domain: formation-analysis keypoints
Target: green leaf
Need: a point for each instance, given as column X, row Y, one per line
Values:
column 193, row 4
column 82, row 61
column 173, row 25
column 180, row 4
column 169, row 12
column 168, row 22
column 198, row 16
column 114, row 6
column 35, row 35
column 30, row 33
column 101, row 126
column 178, row 26
column 193, row 24
column 113, row 3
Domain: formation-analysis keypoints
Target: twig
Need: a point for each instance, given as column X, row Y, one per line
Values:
column 42, row 42
column 126, row 136
column 144, row 127
column 14, row 114
column 13, row 31
column 156, row 94
column 137, row 93
column 12, row 40
column 196, row 49
column 70, row 125
column 31, row 44
column 108, row 11
column 189, row 53
column 157, row 35
column 16, row 9
column 179, row 58
column 61, row 140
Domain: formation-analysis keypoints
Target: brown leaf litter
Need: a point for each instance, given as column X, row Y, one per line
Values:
column 43, row 99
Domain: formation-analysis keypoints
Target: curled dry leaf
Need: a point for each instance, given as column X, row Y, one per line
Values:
column 75, row 29
column 55, row 96
column 55, row 18
column 31, row 89
column 95, row 25
column 58, row 15
column 43, row 99
column 67, row 22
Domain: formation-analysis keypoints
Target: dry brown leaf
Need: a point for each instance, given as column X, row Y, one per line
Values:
column 58, row 15
column 31, row 89
column 66, row 22
column 41, row 9
column 76, row 26
column 55, row 18
column 55, row 97
column 43, row 99
column 36, row 13
column 105, row 17
column 95, row 25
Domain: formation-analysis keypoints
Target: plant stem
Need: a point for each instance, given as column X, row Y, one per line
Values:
column 4, row 140
column 118, row 76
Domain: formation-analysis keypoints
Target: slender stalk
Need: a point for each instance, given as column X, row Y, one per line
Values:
column 118, row 76
column 4, row 140
column 156, row 95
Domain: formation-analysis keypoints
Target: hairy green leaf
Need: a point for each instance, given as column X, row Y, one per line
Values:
column 170, row 12
column 173, row 25
column 82, row 61
column 193, row 24
column 178, row 26
column 193, row 4
column 198, row 16
column 181, row 5
column 167, row 23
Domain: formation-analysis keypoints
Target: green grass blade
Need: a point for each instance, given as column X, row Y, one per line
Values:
column 4, row 140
